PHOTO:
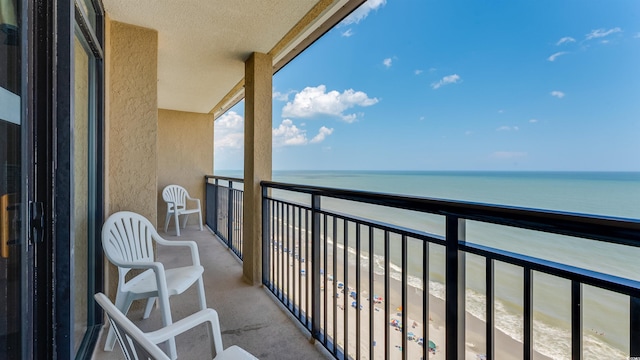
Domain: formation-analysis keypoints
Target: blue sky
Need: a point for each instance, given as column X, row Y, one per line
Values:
column 459, row 85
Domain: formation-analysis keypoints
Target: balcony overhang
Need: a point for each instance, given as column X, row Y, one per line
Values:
column 202, row 45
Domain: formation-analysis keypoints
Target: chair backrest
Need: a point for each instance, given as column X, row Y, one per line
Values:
column 134, row 343
column 128, row 237
column 176, row 194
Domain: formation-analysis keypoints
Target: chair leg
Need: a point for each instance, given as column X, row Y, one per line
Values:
column 200, row 219
column 163, row 302
column 203, row 302
column 147, row 310
column 184, row 222
column 123, row 303
column 166, row 221
column 177, row 224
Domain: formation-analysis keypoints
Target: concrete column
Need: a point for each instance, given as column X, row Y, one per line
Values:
column 257, row 159
column 131, row 126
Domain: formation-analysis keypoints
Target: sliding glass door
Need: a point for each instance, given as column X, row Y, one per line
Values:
column 11, row 125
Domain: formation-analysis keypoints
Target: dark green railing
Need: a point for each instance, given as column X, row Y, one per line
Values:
column 224, row 198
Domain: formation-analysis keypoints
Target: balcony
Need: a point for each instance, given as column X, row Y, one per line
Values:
column 316, row 270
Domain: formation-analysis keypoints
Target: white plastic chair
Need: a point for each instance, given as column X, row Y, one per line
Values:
column 127, row 240
column 176, row 198
column 139, row 345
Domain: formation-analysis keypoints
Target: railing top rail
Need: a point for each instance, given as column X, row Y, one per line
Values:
column 225, row 178
column 604, row 228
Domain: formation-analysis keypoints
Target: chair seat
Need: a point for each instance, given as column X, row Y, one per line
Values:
column 234, row 352
column 178, row 280
column 189, row 211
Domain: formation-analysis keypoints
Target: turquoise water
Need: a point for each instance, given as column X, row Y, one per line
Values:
column 609, row 194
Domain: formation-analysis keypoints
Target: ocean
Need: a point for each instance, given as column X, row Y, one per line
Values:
column 612, row 194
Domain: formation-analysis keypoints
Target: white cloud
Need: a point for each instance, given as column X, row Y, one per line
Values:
column 418, row 72
column 554, row 56
column 507, row 128
column 347, row 33
column 558, row 94
column 636, row 36
column 421, row 118
column 387, row 62
column 450, row 79
column 363, row 11
column 501, row 111
column 566, row 39
column 312, row 101
column 229, row 131
column 322, row 134
column 533, row 121
column 468, row 132
column 508, row 154
column 282, row 96
column 600, row 33
column 288, row 134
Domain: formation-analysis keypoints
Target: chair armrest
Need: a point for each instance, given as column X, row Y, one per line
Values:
column 195, row 255
column 193, row 199
column 188, row 323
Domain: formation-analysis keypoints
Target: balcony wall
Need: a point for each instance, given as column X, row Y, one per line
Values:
column 185, row 154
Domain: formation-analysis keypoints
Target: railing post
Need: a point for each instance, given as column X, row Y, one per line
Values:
column 576, row 320
column 527, row 340
column 455, row 289
column 634, row 327
column 490, row 309
column 215, row 206
column 230, row 215
column 315, row 273
column 266, row 240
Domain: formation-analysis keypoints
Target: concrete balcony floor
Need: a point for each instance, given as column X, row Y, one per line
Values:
column 250, row 316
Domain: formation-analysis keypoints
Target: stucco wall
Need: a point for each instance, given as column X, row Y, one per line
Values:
column 132, row 120
column 185, row 156
column 131, row 126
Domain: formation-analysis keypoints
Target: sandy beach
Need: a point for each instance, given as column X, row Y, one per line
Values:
column 291, row 276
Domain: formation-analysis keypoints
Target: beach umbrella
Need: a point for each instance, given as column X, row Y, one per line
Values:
column 353, row 294
column 432, row 345
column 353, row 304
column 340, row 285
column 399, row 308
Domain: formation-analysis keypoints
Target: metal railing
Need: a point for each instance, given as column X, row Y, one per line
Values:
column 224, row 201
column 334, row 270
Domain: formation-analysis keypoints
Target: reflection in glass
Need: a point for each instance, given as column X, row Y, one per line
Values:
column 10, row 182
column 81, row 190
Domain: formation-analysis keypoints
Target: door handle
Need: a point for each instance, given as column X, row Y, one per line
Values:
column 36, row 210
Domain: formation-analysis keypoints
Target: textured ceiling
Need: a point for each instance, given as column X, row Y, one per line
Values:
column 202, row 44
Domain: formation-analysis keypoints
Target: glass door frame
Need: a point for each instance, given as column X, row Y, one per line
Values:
column 48, row 152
